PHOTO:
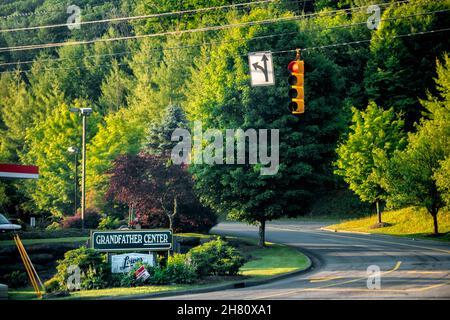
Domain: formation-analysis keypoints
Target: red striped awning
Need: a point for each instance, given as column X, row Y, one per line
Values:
column 19, row 171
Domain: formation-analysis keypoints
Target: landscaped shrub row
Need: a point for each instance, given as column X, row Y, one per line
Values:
column 216, row 257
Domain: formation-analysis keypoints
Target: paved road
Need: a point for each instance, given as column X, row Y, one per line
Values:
column 409, row 268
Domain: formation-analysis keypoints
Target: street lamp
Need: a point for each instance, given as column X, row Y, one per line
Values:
column 85, row 112
column 74, row 150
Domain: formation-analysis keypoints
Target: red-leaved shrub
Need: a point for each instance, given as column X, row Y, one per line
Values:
column 91, row 220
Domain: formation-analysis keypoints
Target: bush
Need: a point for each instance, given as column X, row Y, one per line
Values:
column 51, row 285
column 216, row 257
column 53, row 226
column 91, row 220
column 179, row 269
column 94, row 270
column 17, row 279
column 108, row 223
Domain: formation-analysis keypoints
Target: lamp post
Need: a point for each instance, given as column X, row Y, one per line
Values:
column 85, row 112
column 74, row 150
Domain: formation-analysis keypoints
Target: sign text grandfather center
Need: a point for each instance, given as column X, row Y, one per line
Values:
column 136, row 240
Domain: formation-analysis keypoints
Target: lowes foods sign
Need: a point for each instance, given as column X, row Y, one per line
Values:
column 125, row 262
column 133, row 240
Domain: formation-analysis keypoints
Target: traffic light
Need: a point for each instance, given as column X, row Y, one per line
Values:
column 296, row 86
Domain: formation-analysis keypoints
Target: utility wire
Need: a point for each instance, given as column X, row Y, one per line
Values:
column 235, row 40
column 91, row 9
column 362, row 41
column 168, row 33
column 148, row 16
column 273, row 52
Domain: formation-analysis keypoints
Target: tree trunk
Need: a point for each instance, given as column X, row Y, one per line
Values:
column 172, row 215
column 170, row 221
column 378, row 211
column 435, row 223
column 262, row 233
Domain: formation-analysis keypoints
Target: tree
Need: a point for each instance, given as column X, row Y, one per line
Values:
column 220, row 96
column 115, row 89
column 413, row 175
column 441, row 105
column 48, row 143
column 400, row 69
column 154, row 187
column 121, row 133
column 374, row 135
column 159, row 134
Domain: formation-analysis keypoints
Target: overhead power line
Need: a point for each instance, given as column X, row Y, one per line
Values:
column 363, row 41
column 233, row 40
column 219, row 42
column 91, row 9
column 141, row 17
column 179, row 32
column 334, row 45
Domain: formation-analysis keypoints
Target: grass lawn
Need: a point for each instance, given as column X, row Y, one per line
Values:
column 45, row 241
column 410, row 222
column 273, row 260
column 29, row 294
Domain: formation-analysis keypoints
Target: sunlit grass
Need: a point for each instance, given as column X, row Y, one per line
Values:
column 195, row 235
column 45, row 241
column 410, row 221
column 274, row 260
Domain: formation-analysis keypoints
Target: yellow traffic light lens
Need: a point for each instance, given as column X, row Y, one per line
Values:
column 293, row 93
column 292, row 80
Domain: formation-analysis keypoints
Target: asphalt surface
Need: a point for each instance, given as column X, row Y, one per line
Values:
column 408, row 269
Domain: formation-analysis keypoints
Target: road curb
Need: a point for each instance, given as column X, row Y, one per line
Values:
column 227, row 286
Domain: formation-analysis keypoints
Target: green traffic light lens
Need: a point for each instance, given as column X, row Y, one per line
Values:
column 293, row 106
column 293, row 93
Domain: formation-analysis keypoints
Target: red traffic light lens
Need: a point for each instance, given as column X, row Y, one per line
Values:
column 293, row 66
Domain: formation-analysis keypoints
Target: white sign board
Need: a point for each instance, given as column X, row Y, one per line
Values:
column 261, row 68
column 121, row 263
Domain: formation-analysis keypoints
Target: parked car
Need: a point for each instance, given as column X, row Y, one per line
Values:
column 5, row 225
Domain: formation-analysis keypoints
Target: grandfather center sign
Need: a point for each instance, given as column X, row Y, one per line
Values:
column 131, row 240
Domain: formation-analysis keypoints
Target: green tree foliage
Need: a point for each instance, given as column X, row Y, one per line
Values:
column 413, row 174
column 374, row 135
column 221, row 97
column 115, row 89
column 48, row 143
column 131, row 84
column 159, row 134
column 401, row 69
column 440, row 105
column 17, row 114
column 121, row 133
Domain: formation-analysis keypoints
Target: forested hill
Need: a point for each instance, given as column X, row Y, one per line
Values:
column 130, row 83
